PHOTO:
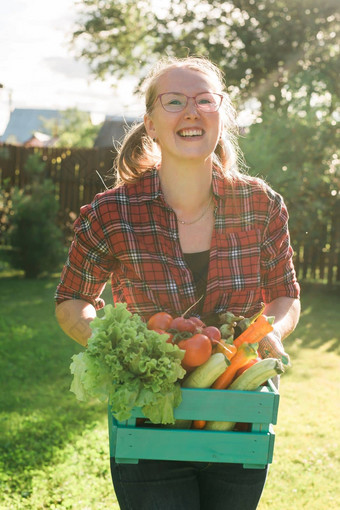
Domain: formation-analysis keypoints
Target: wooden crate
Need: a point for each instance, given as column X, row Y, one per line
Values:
column 253, row 449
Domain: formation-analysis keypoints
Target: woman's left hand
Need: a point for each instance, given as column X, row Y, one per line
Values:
column 271, row 347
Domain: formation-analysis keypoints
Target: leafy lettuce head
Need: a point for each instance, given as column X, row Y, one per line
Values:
column 130, row 366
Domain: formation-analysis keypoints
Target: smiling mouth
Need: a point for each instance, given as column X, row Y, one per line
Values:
column 189, row 133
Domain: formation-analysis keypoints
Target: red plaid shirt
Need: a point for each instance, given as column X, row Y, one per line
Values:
column 130, row 234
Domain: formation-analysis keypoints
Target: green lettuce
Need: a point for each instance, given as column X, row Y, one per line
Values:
column 130, row 366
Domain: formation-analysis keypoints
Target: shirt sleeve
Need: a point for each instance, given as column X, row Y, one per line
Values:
column 277, row 269
column 89, row 262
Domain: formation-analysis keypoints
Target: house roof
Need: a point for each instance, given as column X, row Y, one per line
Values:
column 24, row 122
column 40, row 140
column 113, row 130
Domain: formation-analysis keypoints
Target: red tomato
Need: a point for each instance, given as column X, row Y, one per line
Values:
column 160, row 320
column 182, row 324
column 197, row 348
column 212, row 332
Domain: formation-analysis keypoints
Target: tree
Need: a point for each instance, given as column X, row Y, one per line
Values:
column 266, row 47
column 279, row 58
column 33, row 234
column 300, row 163
column 73, row 129
column 115, row 36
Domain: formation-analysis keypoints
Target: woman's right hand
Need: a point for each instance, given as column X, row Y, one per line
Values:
column 74, row 317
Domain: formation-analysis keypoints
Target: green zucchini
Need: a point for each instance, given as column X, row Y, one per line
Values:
column 250, row 380
column 257, row 374
column 205, row 375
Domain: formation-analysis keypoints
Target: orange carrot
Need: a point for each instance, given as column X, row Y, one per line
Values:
column 245, row 353
column 199, row 424
column 255, row 332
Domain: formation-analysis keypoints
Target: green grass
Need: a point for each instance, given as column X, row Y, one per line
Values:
column 305, row 472
column 54, row 449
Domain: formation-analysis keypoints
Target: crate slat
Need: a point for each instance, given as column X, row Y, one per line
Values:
column 197, row 446
column 226, row 405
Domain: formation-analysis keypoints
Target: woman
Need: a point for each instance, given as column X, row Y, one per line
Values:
column 183, row 227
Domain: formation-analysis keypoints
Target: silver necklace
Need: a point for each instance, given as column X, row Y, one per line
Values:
column 199, row 218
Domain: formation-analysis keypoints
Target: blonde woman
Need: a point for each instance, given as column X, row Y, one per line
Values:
column 183, row 225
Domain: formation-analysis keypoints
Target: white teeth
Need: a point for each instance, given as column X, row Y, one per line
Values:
column 191, row 132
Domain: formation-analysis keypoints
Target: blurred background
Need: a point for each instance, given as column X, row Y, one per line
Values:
column 69, row 81
column 69, row 78
column 39, row 69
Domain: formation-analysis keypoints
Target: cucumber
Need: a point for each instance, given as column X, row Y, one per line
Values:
column 205, row 375
column 257, row 374
column 220, row 425
column 250, row 380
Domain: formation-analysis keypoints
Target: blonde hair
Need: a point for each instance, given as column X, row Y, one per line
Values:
column 138, row 153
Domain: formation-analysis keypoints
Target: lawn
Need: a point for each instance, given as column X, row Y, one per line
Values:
column 54, row 449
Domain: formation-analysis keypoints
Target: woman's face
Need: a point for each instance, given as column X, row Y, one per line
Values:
column 191, row 133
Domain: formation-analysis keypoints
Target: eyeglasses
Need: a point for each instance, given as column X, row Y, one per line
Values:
column 205, row 101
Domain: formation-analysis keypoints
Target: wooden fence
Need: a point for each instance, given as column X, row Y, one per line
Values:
column 75, row 175
column 73, row 171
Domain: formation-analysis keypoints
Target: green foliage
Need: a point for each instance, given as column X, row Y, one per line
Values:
column 5, row 210
column 279, row 58
column 297, row 157
column 33, row 234
column 73, row 129
column 118, row 35
column 262, row 46
column 54, row 450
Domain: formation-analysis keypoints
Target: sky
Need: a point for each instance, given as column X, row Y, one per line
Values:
column 38, row 68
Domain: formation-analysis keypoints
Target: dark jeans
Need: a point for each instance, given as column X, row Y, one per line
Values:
column 172, row 485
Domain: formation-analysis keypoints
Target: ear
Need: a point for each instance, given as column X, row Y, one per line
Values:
column 149, row 126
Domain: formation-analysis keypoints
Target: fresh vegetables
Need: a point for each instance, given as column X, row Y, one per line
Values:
column 220, row 425
column 134, row 364
column 160, row 320
column 245, row 367
column 245, row 322
column 212, row 332
column 245, row 353
column 206, row 374
column 229, row 350
column 191, row 335
column 198, row 349
column 250, row 380
column 257, row 374
column 255, row 332
column 198, row 322
column 130, row 365
column 237, row 338
column 198, row 424
column 181, row 324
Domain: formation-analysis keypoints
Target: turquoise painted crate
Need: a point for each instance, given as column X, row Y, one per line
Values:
column 253, row 449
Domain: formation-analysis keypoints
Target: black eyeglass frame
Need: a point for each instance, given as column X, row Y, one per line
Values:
column 189, row 97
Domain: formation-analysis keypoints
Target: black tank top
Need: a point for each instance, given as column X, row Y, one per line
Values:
column 199, row 264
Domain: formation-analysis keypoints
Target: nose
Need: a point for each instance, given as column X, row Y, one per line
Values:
column 191, row 109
